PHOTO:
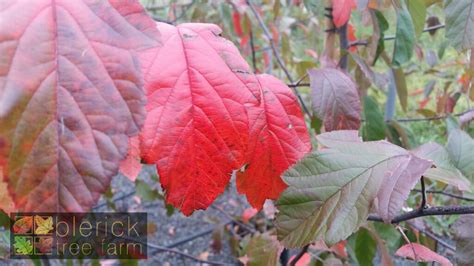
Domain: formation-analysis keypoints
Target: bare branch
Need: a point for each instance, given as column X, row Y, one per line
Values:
column 430, row 211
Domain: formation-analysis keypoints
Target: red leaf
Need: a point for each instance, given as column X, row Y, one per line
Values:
column 131, row 166
column 351, row 37
column 335, row 99
column 303, row 261
column 237, row 24
column 70, row 96
column 341, row 11
column 279, row 138
column 421, row 254
column 196, row 131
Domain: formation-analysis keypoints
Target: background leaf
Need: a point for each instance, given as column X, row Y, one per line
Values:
column 459, row 23
column 335, row 99
column 404, row 38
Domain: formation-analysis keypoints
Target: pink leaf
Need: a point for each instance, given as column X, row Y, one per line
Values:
column 131, row 166
column 71, row 94
column 341, row 11
column 422, row 254
column 248, row 214
column 305, row 260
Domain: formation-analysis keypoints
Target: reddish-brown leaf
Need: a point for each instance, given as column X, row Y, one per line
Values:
column 70, row 96
column 279, row 138
column 197, row 127
column 418, row 252
column 335, row 99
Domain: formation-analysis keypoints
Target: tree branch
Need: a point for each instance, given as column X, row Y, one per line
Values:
column 430, row 211
column 277, row 55
column 441, row 192
column 391, row 38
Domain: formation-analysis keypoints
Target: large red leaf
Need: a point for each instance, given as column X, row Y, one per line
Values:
column 418, row 252
column 70, row 96
column 197, row 129
column 335, row 99
column 278, row 139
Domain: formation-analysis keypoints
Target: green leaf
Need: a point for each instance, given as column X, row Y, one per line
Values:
column 263, row 249
column 146, row 192
column 365, row 247
column 417, row 9
column 404, row 38
column 461, row 150
column 374, row 125
column 445, row 170
column 23, row 246
column 314, row 6
column 330, row 191
column 460, row 23
column 382, row 25
column 401, row 85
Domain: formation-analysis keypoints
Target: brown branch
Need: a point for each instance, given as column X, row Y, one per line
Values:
column 423, row 193
column 241, row 224
column 430, row 211
column 433, row 236
column 391, row 38
column 441, row 192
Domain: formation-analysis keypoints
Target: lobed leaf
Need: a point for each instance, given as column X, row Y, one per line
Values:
column 209, row 115
column 279, row 138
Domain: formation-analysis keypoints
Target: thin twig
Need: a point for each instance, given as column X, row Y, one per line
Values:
column 277, row 54
column 245, row 226
column 433, row 236
column 441, row 192
column 430, row 211
column 299, row 256
column 391, row 38
column 440, row 117
column 114, row 200
column 423, row 193
column 252, row 46
column 400, row 229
